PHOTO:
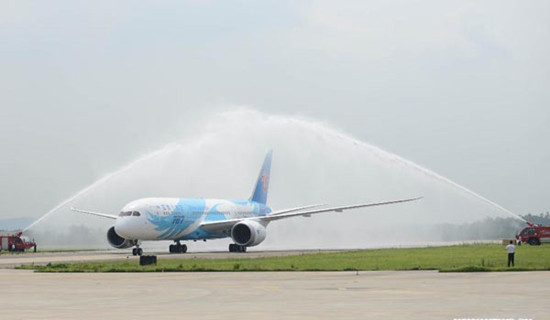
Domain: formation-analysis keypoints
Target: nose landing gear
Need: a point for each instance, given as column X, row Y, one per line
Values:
column 177, row 248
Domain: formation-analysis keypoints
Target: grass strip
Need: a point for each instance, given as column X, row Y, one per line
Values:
column 461, row 258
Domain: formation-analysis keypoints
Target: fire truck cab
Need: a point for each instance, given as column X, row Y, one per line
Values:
column 534, row 235
column 15, row 241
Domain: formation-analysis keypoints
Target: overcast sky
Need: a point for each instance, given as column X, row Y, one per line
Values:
column 459, row 87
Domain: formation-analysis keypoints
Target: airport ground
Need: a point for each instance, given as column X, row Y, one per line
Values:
column 274, row 295
column 265, row 295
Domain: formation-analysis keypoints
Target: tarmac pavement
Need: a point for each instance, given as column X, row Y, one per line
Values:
column 275, row 295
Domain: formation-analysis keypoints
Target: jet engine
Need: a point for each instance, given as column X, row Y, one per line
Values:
column 117, row 241
column 248, row 233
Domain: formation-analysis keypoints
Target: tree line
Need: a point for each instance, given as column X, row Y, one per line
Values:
column 490, row 228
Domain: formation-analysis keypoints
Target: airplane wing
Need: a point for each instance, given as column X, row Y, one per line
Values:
column 104, row 215
column 222, row 225
column 227, row 224
column 289, row 213
column 276, row 213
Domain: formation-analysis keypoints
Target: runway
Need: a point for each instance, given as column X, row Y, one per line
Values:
column 274, row 295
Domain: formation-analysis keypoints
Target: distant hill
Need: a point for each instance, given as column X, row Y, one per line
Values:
column 15, row 223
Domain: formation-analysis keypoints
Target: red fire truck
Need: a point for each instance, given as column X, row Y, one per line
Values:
column 534, row 234
column 15, row 241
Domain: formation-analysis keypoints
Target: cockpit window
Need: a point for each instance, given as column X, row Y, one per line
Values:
column 129, row 213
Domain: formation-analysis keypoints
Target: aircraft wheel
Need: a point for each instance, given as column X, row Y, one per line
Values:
column 171, row 248
column 139, row 251
column 183, row 249
column 134, row 252
column 232, row 248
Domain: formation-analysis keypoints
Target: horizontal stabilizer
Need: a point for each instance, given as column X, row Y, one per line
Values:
column 104, row 215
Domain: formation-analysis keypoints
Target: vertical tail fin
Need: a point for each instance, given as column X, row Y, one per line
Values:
column 260, row 190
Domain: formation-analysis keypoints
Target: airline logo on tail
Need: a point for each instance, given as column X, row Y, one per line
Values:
column 265, row 181
column 261, row 187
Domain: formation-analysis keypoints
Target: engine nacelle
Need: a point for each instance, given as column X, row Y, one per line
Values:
column 248, row 233
column 117, row 241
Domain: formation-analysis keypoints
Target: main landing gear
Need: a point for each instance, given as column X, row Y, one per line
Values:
column 137, row 251
column 236, row 248
column 177, row 248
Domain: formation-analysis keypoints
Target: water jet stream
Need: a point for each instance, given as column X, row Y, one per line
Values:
column 438, row 176
column 103, row 180
column 313, row 163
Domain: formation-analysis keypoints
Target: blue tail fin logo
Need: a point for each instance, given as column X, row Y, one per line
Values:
column 262, row 185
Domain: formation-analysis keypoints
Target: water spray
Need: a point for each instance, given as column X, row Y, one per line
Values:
column 242, row 134
column 409, row 164
column 105, row 179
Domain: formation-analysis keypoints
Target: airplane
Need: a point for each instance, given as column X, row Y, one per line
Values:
column 181, row 219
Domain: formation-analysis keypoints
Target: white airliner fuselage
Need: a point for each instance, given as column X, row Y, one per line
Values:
column 180, row 218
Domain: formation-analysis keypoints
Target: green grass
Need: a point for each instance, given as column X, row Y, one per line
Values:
column 462, row 258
